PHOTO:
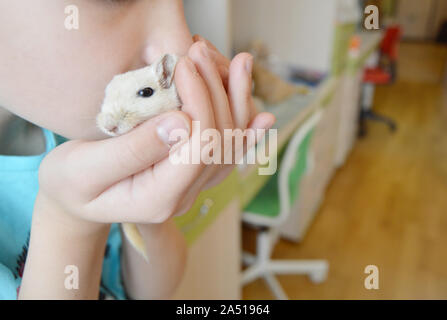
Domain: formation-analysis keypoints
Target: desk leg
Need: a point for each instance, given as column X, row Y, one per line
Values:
column 213, row 267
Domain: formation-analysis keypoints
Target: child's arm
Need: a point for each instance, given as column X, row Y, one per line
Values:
column 158, row 277
column 70, row 265
column 65, row 255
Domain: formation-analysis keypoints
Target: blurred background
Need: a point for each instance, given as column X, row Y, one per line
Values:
column 358, row 207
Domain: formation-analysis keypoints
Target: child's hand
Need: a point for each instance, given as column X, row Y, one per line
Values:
column 238, row 110
column 130, row 178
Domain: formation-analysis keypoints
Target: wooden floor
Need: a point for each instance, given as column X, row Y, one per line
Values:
column 387, row 206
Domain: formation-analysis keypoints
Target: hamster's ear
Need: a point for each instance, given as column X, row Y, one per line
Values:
column 165, row 70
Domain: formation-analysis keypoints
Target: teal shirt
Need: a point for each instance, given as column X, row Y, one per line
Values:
column 18, row 191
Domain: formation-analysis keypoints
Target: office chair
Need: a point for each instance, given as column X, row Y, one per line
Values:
column 270, row 209
column 384, row 73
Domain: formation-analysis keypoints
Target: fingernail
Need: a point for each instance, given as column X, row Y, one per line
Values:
column 166, row 127
column 191, row 66
column 270, row 124
column 249, row 65
column 204, row 50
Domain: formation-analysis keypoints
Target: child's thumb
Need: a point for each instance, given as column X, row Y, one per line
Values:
column 117, row 158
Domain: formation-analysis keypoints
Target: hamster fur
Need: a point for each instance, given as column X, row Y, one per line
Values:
column 136, row 96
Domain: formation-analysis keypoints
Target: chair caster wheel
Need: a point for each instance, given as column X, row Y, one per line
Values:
column 318, row 276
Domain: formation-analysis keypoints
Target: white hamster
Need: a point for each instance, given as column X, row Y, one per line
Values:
column 135, row 96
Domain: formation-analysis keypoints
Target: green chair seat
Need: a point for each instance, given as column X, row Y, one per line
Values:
column 266, row 203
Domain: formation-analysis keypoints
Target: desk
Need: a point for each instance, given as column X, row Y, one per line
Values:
column 333, row 139
column 290, row 115
column 369, row 41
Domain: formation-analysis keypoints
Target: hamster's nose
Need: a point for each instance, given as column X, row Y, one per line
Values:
column 108, row 124
column 112, row 128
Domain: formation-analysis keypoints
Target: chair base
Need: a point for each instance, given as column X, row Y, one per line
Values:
column 261, row 266
column 317, row 270
column 371, row 115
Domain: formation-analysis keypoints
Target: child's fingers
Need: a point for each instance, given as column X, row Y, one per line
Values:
column 222, row 62
column 239, row 86
column 196, row 102
column 265, row 121
column 262, row 121
column 199, row 53
column 193, row 92
column 219, row 58
column 198, row 37
column 106, row 162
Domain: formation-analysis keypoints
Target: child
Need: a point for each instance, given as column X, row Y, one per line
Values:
column 58, row 201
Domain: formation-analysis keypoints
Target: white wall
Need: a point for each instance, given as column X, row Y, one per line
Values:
column 211, row 19
column 298, row 31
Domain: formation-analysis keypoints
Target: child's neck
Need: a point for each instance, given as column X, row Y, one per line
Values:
column 18, row 136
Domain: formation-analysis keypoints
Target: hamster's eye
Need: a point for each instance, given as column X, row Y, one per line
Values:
column 146, row 92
